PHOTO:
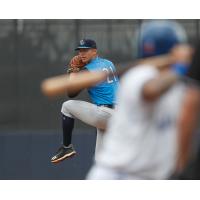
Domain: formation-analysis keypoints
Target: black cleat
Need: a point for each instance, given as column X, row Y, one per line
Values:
column 63, row 153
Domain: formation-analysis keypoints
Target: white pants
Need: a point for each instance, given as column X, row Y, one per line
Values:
column 98, row 172
column 90, row 114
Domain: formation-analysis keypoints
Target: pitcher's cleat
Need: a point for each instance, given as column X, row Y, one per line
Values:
column 63, row 153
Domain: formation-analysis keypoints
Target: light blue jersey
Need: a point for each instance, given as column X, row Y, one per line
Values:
column 103, row 93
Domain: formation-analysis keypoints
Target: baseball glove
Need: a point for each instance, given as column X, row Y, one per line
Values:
column 75, row 65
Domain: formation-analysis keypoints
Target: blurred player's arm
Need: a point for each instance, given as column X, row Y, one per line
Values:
column 187, row 125
column 181, row 57
column 154, row 88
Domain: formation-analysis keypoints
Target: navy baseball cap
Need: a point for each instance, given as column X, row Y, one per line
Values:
column 86, row 44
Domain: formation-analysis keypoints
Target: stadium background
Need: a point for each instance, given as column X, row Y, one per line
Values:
column 30, row 126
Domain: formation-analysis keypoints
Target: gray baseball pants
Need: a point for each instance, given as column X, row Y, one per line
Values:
column 91, row 114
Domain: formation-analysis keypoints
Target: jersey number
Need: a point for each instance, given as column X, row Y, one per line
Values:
column 112, row 77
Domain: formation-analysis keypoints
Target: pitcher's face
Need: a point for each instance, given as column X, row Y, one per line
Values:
column 87, row 54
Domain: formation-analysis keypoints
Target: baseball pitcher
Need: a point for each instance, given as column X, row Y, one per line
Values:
column 102, row 95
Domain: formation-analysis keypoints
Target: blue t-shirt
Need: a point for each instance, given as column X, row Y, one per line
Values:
column 103, row 93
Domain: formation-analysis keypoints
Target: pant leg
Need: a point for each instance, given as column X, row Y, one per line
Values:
column 87, row 112
column 99, row 141
column 99, row 172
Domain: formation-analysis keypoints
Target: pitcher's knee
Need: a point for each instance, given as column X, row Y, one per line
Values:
column 66, row 107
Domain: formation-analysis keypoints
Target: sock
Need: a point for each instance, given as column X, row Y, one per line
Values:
column 68, row 125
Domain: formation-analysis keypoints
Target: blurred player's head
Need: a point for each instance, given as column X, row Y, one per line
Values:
column 157, row 37
column 87, row 49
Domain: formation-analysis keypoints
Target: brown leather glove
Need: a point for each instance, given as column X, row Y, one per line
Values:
column 75, row 65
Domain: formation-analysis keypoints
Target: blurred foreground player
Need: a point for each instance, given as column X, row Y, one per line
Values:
column 102, row 95
column 142, row 139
